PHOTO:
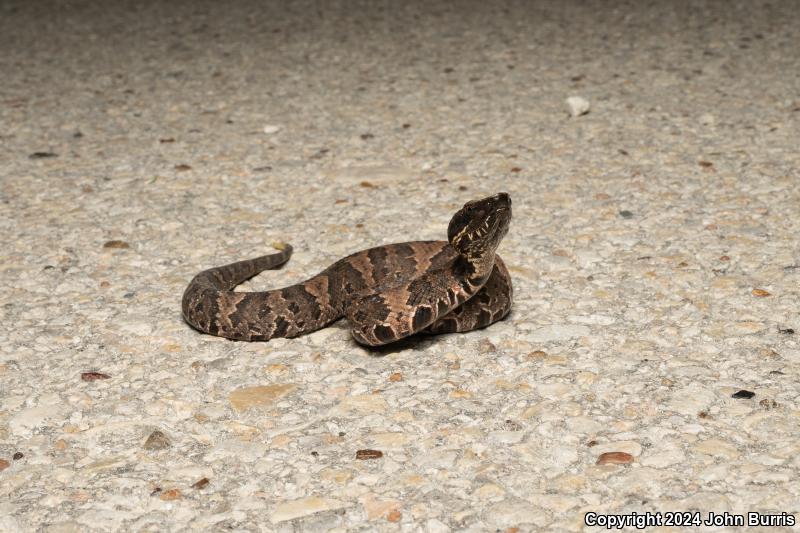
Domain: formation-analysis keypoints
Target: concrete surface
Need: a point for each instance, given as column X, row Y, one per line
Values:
column 654, row 252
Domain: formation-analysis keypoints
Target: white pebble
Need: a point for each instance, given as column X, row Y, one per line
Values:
column 269, row 129
column 707, row 119
column 577, row 106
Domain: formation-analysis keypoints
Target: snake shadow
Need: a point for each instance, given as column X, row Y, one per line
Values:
column 418, row 341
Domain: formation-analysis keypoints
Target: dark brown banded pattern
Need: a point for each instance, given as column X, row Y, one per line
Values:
column 387, row 292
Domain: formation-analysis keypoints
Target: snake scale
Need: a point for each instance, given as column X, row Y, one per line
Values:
column 386, row 293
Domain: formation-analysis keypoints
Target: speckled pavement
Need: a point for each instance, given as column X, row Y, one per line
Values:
column 654, row 252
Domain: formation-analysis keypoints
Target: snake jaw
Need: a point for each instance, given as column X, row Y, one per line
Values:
column 476, row 230
column 480, row 225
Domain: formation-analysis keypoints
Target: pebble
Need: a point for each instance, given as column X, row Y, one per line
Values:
column 490, row 491
column 691, row 400
column 258, row 396
column 361, row 404
column 157, row 441
column 717, row 448
column 368, row 454
column 486, row 346
column 170, row 494
column 269, row 129
column 766, row 403
column 200, row 483
column 707, row 119
column 614, row 458
column 237, row 449
column 577, row 106
column 743, row 394
column 376, row 508
column 582, row 424
column 4, row 464
column 554, row 391
column 303, row 507
column 736, row 329
column 93, row 376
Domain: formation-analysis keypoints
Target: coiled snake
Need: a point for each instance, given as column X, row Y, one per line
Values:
column 387, row 293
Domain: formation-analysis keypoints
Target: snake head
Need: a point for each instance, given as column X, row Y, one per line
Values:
column 477, row 228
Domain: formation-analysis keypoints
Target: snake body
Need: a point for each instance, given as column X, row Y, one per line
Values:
column 386, row 293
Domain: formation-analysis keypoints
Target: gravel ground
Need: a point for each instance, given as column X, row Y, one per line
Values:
column 654, row 254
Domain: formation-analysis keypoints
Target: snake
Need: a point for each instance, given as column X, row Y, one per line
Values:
column 386, row 293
